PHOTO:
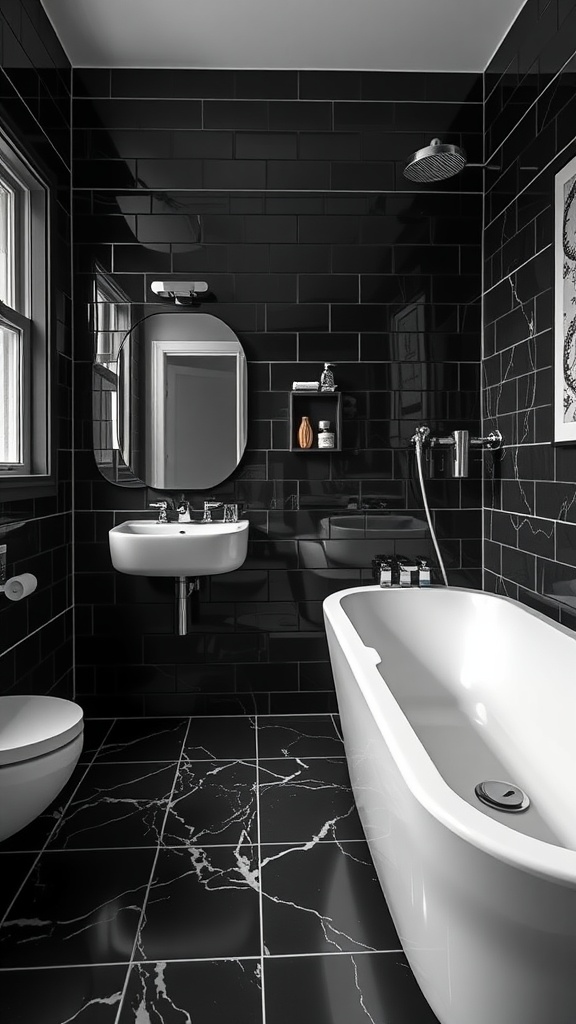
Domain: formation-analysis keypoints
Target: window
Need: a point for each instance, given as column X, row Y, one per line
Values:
column 24, row 357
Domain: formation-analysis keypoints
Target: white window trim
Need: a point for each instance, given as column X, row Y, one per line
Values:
column 31, row 315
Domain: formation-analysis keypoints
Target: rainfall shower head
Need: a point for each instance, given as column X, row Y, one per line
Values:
column 435, row 162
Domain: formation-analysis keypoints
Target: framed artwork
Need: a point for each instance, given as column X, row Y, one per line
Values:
column 565, row 304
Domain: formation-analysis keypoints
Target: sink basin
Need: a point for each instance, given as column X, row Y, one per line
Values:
column 144, row 548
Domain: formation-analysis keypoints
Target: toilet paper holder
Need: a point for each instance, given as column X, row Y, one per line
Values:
column 18, row 587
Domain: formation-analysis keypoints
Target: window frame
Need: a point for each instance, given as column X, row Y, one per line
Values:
column 31, row 315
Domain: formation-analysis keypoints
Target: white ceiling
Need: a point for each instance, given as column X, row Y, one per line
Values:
column 382, row 35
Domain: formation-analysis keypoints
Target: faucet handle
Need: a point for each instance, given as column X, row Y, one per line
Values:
column 424, row 572
column 405, row 570
column 163, row 513
column 230, row 513
column 382, row 570
column 208, row 506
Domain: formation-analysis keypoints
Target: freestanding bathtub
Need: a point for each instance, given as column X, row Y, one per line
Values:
column 439, row 690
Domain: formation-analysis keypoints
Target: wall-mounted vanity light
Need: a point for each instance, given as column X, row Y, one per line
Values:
column 183, row 293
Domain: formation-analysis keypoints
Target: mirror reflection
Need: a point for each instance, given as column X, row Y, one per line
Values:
column 169, row 398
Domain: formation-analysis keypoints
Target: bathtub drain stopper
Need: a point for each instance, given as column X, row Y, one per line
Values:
column 504, row 796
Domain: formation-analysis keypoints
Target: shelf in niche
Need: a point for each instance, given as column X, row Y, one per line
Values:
column 317, row 405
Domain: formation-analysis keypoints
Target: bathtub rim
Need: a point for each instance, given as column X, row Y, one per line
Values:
column 417, row 768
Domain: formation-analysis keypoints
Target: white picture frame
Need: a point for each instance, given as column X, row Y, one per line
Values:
column 565, row 304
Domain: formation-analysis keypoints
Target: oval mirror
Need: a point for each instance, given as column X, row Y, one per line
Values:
column 169, row 401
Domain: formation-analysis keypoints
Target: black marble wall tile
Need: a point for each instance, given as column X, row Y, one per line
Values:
column 36, row 633
column 314, row 250
column 529, row 137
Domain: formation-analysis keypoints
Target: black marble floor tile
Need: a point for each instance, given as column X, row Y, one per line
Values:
column 77, row 908
column 95, row 731
column 303, row 800
column 60, row 995
column 299, row 736
column 368, row 988
column 13, row 870
column 214, row 803
column 117, row 805
column 221, row 738
column 211, row 992
column 202, row 903
column 322, row 899
column 35, row 835
column 144, row 739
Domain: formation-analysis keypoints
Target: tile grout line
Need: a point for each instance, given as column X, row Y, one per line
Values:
column 52, row 830
column 207, row 959
column 152, row 870
column 259, row 854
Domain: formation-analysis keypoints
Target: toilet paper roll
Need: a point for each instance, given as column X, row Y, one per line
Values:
column 18, row 587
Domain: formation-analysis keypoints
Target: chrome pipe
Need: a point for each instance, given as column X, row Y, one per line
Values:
column 182, row 604
column 492, row 441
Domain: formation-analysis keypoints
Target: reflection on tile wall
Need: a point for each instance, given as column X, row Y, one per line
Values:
column 530, row 538
column 36, row 633
column 314, row 248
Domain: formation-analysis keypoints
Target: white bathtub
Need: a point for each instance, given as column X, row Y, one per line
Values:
column 438, row 690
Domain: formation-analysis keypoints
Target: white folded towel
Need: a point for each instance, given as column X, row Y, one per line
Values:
column 305, row 385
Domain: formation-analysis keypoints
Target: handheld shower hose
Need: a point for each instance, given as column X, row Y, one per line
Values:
column 418, row 442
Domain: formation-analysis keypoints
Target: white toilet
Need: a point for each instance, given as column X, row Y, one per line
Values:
column 41, row 740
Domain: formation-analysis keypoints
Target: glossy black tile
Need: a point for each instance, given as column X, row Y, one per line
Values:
column 323, row 898
column 300, row 116
column 150, row 740
column 319, row 85
column 308, row 736
column 320, row 790
column 291, row 174
column 57, row 918
column 56, row 995
column 203, row 902
column 116, row 805
column 378, row 984
column 220, row 738
column 14, row 868
column 207, row 991
column 213, row 803
column 236, row 114
column 180, row 84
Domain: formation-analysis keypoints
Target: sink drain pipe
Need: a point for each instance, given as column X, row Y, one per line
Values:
column 184, row 587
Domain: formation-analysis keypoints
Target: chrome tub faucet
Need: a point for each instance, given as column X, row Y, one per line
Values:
column 397, row 571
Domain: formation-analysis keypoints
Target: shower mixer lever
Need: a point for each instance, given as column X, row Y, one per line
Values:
column 460, row 442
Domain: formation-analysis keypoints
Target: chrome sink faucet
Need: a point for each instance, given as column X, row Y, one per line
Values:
column 183, row 510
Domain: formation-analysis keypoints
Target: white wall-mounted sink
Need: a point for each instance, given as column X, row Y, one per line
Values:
column 144, row 548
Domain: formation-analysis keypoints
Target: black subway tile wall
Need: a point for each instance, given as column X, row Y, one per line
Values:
column 315, row 248
column 36, row 633
column 530, row 136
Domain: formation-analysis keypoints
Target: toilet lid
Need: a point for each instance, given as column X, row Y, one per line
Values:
column 31, row 726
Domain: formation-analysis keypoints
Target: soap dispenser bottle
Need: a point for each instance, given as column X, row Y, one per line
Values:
column 327, row 378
